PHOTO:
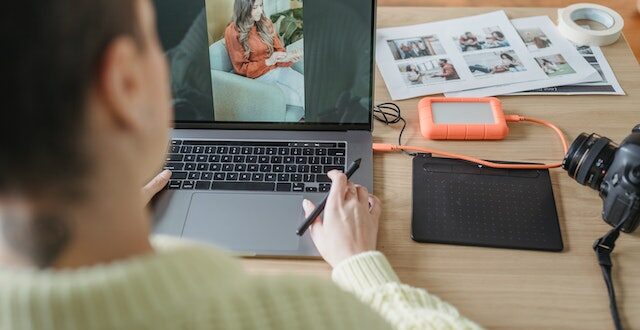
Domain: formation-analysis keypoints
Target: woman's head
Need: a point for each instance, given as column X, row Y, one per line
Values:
column 506, row 56
column 246, row 15
column 497, row 35
column 101, row 97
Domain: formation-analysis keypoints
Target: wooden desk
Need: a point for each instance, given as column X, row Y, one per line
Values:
column 506, row 288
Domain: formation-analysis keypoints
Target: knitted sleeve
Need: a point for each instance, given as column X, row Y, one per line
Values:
column 370, row 277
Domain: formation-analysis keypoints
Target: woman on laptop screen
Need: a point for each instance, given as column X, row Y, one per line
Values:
column 257, row 52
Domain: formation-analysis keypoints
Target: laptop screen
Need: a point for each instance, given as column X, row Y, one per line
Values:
column 278, row 63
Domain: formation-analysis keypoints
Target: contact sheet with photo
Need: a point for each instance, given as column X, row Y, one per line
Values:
column 555, row 56
column 454, row 55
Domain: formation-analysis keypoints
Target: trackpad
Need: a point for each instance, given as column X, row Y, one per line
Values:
column 245, row 222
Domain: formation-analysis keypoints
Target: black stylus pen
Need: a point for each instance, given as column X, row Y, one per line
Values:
column 307, row 223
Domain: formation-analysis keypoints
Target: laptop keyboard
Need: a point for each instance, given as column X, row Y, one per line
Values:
column 254, row 166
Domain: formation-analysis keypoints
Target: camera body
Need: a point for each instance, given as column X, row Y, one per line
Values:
column 612, row 170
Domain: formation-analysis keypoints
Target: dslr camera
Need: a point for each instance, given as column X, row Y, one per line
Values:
column 613, row 170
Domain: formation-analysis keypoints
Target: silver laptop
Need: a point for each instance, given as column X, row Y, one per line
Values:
column 251, row 141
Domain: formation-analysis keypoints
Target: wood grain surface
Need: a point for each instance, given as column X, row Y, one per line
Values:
column 498, row 288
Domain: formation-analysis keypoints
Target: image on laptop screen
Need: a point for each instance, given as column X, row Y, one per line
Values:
column 288, row 62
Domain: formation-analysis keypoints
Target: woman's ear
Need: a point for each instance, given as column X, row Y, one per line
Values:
column 120, row 82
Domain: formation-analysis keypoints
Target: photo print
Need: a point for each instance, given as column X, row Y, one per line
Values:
column 486, row 64
column 428, row 72
column 584, row 50
column 266, row 59
column 534, row 38
column 403, row 49
column 554, row 65
column 486, row 38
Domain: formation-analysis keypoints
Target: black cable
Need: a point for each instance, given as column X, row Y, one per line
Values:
column 389, row 114
column 603, row 247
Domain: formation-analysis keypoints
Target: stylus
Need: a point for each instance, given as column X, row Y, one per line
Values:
column 312, row 217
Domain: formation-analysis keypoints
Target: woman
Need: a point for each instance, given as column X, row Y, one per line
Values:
column 75, row 251
column 509, row 62
column 414, row 75
column 548, row 66
column 496, row 40
column 257, row 52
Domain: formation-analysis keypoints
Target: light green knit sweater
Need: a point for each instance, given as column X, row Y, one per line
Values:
column 195, row 287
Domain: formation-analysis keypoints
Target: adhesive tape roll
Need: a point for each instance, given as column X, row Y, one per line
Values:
column 611, row 20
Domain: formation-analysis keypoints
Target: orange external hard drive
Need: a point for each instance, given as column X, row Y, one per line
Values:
column 444, row 118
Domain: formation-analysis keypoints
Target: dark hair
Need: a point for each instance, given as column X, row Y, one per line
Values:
column 444, row 60
column 499, row 34
column 55, row 48
column 503, row 55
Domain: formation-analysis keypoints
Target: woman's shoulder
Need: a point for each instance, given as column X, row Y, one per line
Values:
column 231, row 29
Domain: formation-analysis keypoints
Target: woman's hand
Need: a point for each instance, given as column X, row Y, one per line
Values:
column 275, row 58
column 350, row 222
column 155, row 185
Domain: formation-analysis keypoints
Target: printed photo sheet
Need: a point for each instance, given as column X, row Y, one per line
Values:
column 556, row 57
column 453, row 55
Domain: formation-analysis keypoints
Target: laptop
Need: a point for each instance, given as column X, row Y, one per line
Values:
column 252, row 140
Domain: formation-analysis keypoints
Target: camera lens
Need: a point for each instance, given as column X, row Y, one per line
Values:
column 589, row 158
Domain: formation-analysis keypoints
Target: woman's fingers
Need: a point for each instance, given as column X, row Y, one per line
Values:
column 156, row 185
column 339, row 186
column 362, row 194
column 375, row 207
column 309, row 207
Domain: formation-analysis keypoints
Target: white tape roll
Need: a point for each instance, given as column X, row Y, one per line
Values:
column 611, row 20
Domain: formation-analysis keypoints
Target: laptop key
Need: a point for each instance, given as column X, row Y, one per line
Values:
column 324, row 187
column 179, row 175
column 174, row 166
column 203, row 185
column 194, row 175
column 298, row 187
column 290, row 168
column 198, row 150
column 301, row 160
column 188, row 185
column 176, row 142
column 265, row 168
column 336, row 152
column 252, row 159
column 304, row 168
column 296, row 177
column 339, row 161
column 253, row 168
column 239, row 159
column 245, row 176
column 321, row 152
column 322, row 178
column 219, row 176
column 283, row 187
column 203, row 167
column 214, row 159
column 312, row 189
column 240, row 167
column 226, row 159
column 276, row 159
column 174, row 149
column 314, row 160
column 288, row 160
column 309, row 177
column 247, row 150
column 257, row 177
column 316, row 169
column 190, row 167
column 284, row 177
column 210, row 150
column 215, row 167
column 283, row 151
column 328, row 169
column 175, row 184
column 234, row 150
column 227, row 167
column 232, row 177
column 263, row 159
column 186, row 149
column 208, row 176
column 252, row 186
column 202, row 158
column 174, row 158
column 296, row 151
column 270, row 177
column 278, row 168
column 190, row 158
